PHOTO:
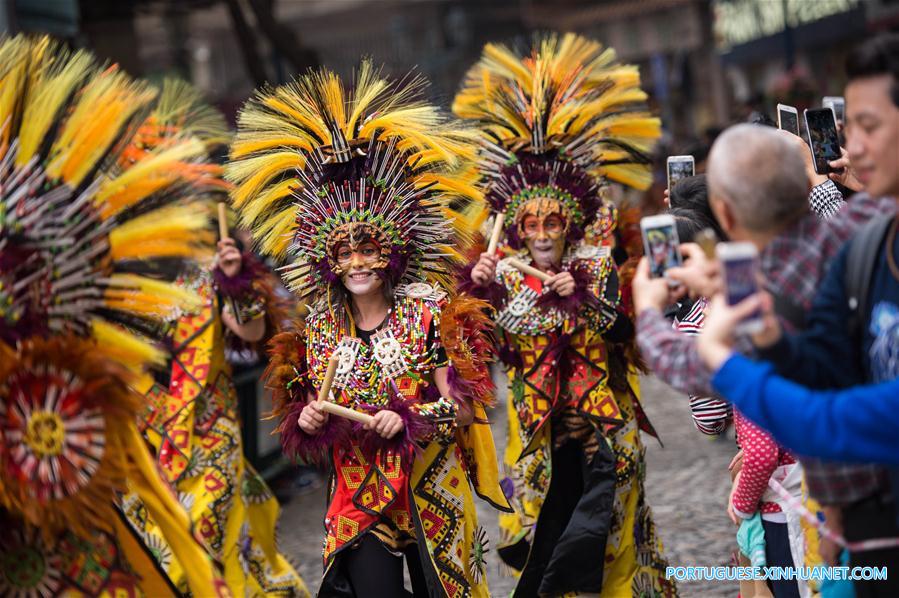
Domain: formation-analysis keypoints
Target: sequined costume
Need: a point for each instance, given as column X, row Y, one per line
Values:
column 78, row 320
column 558, row 124
column 316, row 168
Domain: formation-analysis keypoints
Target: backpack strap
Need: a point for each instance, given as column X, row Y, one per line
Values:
column 864, row 248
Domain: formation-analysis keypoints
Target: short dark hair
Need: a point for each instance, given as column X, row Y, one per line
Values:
column 689, row 223
column 692, row 193
column 877, row 56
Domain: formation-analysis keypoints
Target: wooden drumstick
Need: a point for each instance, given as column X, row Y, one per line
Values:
column 223, row 221
column 329, row 378
column 495, row 234
column 333, row 408
column 526, row 269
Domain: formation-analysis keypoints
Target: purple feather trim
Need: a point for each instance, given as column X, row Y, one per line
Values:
column 462, row 390
column 312, row 448
column 240, row 286
column 510, row 356
column 555, row 355
column 416, row 429
column 494, row 293
column 572, row 303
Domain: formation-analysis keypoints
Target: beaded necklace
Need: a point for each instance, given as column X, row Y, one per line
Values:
column 522, row 316
column 398, row 353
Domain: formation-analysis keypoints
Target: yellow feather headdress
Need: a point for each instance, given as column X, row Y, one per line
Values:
column 559, row 121
column 81, row 213
column 312, row 158
column 89, row 204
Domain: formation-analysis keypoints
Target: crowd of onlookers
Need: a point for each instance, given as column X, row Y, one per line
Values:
column 814, row 395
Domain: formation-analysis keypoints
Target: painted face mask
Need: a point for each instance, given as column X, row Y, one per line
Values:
column 357, row 245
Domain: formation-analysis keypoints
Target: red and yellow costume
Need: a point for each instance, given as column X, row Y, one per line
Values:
column 376, row 163
column 77, row 234
column 558, row 124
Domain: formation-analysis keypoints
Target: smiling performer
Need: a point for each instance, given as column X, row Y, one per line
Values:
column 355, row 187
column 558, row 123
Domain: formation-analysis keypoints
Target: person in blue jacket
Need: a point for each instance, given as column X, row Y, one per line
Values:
column 860, row 423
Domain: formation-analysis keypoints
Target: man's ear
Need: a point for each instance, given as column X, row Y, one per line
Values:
column 723, row 214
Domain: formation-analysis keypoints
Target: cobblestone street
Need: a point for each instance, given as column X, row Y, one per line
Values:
column 687, row 486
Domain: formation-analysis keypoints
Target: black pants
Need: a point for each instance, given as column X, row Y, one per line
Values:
column 375, row 571
column 868, row 519
column 778, row 554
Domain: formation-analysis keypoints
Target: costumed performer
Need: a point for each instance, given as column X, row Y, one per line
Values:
column 190, row 420
column 558, row 123
column 358, row 190
column 78, row 324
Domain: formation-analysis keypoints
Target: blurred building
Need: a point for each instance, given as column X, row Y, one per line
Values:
column 704, row 62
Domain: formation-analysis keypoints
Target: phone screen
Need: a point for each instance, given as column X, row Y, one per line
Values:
column 740, row 281
column 789, row 121
column 740, row 278
column 839, row 108
column 662, row 249
column 822, row 132
column 678, row 170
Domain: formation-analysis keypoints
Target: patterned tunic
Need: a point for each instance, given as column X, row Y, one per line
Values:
column 559, row 373
column 383, row 488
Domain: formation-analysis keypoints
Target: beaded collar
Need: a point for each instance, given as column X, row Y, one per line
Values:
column 521, row 314
column 395, row 361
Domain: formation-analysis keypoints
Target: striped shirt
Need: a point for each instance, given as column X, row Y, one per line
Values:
column 710, row 415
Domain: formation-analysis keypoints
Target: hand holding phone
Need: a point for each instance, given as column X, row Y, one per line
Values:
column 823, row 138
column 660, row 244
column 740, row 265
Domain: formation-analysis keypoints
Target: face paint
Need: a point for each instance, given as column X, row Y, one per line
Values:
column 551, row 227
column 357, row 245
column 365, row 254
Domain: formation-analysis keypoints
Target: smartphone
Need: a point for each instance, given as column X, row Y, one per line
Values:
column 660, row 243
column 823, row 139
column 679, row 167
column 788, row 119
column 838, row 105
column 740, row 264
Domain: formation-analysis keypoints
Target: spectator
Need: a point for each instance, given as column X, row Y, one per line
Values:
column 711, row 416
column 856, row 424
column 692, row 193
column 795, row 248
column 868, row 352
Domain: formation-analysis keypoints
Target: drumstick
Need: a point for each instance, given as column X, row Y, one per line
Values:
column 335, row 409
column 526, row 269
column 329, row 378
column 495, row 234
column 223, row 221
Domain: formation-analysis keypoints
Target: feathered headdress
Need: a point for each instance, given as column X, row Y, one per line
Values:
column 314, row 163
column 558, row 123
column 87, row 208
